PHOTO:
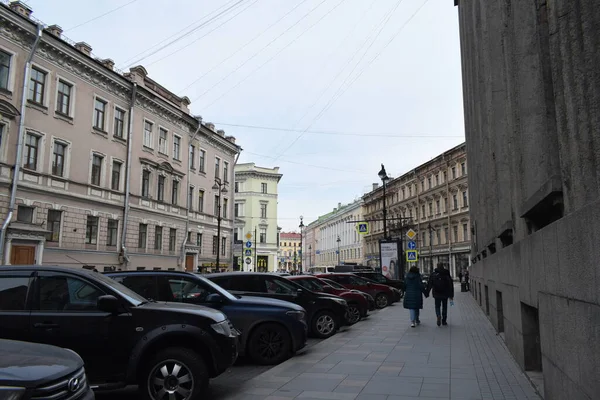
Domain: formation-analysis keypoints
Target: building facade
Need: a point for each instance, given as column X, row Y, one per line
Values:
column 106, row 163
column 532, row 118
column 289, row 251
column 432, row 200
column 255, row 213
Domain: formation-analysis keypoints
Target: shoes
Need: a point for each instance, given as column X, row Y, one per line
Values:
column 439, row 321
column 444, row 322
column 412, row 325
column 418, row 322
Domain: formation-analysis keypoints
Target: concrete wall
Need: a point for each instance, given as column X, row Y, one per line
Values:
column 532, row 119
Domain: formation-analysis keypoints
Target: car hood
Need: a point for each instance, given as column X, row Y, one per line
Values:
column 165, row 307
column 28, row 365
column 266, row 301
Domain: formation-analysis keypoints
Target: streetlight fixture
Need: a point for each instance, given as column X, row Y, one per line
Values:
column 430, row 228
column 301, row 226
column 220, row 187
column 338, row 242
column 310, row 255
column 384, row 178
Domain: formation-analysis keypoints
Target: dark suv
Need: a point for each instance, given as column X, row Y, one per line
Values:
column 39, row 371
column 272, row 330
column 384, row 295
column 122, row 337
column 384, row 280
column 325, row 312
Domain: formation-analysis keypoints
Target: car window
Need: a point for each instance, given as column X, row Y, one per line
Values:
column 342, row 279
column 143, row 285
column 355, row 280
column 187, row 290
column 224, row 282
column 377, row 278
column 13, row 293
column 251, row 284
column 61, row 293
column 333, row 283
column 279, row 286
column 309, row 284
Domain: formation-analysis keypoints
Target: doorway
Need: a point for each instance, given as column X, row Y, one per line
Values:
column 499, row 312
column 22, row 255
column 189, row 262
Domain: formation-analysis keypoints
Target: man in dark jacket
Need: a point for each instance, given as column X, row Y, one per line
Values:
column 442, row 285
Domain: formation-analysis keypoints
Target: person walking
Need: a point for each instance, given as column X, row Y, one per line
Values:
column 460, row 275
column 440, row 282
column 467, row 280
column 414, row 290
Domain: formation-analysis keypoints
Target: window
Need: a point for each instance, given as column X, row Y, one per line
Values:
column 175, row 192
column 37, row 86
column 214, row 245
column 190, row 203
column 142, row 234
column 463, row 169
column 236, row 210
column 200, row 200
column 236, row 187
column 91, row 230
column 225, row 171
column 119, row 126
column 96, row 169
column 423, row 211
column 465, row 232
column 445, row 204
column 4, row 70
column 263, row 210
column 176, row 147
column 437, row 179
column 172, row 239
column 58, row 160
column 446, row 235
column 186, row 290
column 455, row 233
column 437, row 206
column 430, row 208
column 445, row 173
column 113, row 228
column 66, row 294
column 263, row 187
column 13, row 292
column 403, row 193
column 53, row 225
column 25, row 214
column 453, row 172
column 115, row 180
column 424, row 240
column 32, row 143
column 237, row 234
column 217, row 166
column 63, row 98
column 455, row 201
column 223, row 244
column 429, row 182
column 145, row 183
column 148, row 128
column 199, row 240
column 216, row 210
column 192, row 157
column 201, row 160
column 225, row 201
column 158, row 238
column 465, row 200
column 263, row 235
column 99, row 114
column 163, row 141
column 160, row 194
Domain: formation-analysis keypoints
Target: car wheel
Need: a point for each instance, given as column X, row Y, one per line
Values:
column 354, row 314
column 175, row 373
column 269, row 344
column 324, row 324
column 381, row 300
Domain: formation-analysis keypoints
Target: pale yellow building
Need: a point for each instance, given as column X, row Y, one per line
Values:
column 289, row 251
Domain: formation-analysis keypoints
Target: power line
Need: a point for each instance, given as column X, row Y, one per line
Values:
column 101, row 15
column 308, row 165
column 244, row 46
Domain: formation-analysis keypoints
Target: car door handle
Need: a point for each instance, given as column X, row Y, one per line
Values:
column 45, row 325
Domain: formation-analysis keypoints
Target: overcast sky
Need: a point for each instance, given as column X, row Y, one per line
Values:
column 330, row 78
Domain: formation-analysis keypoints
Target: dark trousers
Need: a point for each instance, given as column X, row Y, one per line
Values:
column 443, row 303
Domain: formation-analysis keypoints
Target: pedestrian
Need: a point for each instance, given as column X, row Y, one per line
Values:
column 414, row 290
column 460, row 276
column 467, row 280
column 440, row 281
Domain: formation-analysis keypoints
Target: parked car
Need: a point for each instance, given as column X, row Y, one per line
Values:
column 123, row 338
column 272, row 330
column 39, row 371
column 325, row 312
column 358, row 305
column 336, row 285
column 384, row 280
column 383, row 294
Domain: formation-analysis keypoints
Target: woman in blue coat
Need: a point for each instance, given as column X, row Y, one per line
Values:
column 414, row 290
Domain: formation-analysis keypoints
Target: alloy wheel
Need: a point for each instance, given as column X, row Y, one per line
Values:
column 172, row 380
column 325, row 324
column 353, row 315
column 270, row 344
column 381, row 301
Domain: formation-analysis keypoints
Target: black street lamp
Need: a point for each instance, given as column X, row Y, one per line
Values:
column 310, row 255
column 338, row 242
column 301, row 226
column 384, row 178
column 220, row 187
column 430, row 228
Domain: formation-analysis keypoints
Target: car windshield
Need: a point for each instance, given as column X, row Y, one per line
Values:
column 123, row 290
column 310, row 284
column 217, row 288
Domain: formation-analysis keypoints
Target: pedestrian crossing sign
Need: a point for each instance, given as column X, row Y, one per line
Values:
column 412, row 256
column 363, row 228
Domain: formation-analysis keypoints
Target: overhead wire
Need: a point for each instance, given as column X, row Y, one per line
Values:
column 308, row 165
column 100, row 16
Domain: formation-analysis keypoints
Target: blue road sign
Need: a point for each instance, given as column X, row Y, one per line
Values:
column 363, row 228
column 248, row 252
column 411, row 255
column 412, row 245
column 248, row 244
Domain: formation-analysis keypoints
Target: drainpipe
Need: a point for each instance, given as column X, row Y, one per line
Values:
column 187, row 217
column 18, row 160
column 125, row 258
column 237, row 157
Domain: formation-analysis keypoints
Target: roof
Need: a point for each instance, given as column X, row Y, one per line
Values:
column 289, row 235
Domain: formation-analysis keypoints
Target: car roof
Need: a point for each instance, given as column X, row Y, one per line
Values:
column 238, row 273
column 150, row 271
column 50, row 268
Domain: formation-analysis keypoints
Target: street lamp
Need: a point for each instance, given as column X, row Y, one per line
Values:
column 384, row 178
column 220, row 187
column 430, row 228
column 310, row 255
column 338, row 242
column 301, row 226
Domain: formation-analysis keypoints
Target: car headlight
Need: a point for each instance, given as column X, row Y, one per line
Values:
column 223, row 328
column 299, row 315
column 341, row 301
column 11, row 392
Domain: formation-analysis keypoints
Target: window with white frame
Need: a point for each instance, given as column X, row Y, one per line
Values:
column 263, row 235
column 32, row 148
column 37, row 86
column 115, row 180
column 191, row 198
column 163, row 141
column 201, row 160
column 96, row 174
column 148, row 128
column 119, row 126
column 5, row 64
column 200, row 200
column 91, row 230
column 100, row 114
column 217, row 166
column 53, row 225
column 160, row 194
column 176, row 147
column 192, row 156
column 145, row 183
column 112, row 228
column 225, row 171
column 63, row 97
column 263, row 210
column 58, row 158
column 175, row 192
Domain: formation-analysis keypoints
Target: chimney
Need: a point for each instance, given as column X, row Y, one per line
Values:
column 108, row 63
column 21, row 8
column 230, row 138
column 84, row 48
column 221, row 132
column 210, row 126
column 375, row 186
column 55, row 30
column 339, row 205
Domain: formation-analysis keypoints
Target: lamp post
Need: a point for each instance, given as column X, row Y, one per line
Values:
column 220, row 187
column 301, row 226
column 384, row 178
column 310, row 255
column 430, row 228
column 338, row 242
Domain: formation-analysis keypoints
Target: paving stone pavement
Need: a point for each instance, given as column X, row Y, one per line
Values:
column 383, row 358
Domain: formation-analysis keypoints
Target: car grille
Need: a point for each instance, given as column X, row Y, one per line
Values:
column 63, row 389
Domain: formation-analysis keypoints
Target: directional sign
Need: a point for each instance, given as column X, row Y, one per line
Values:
column 248, row 260
column 248, row 244
column 412, row 245
column 363, row 228
column 248, row 236
column 412, row 256
column 411, row 234
column 248, row 252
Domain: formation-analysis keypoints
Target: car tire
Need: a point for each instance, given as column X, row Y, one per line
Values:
column 382, row 300
column 324, row 324
column 174, row 369
column 269, row 344
column 354, row 314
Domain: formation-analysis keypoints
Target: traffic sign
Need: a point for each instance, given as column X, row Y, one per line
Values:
column 363, row 228
column 248, row 260
column 248, row 244
column 412, row 256
column 411, row 234
column 248, row 236
column 248, row 252
column 412, row 245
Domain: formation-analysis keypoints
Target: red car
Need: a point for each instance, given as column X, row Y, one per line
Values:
column 383, row 294
column 336, row 285
column 358, row 305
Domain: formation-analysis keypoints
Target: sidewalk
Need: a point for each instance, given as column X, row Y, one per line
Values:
column 383, row 358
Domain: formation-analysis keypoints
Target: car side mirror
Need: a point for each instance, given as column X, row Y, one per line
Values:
column 214, row 298
column 108, row 303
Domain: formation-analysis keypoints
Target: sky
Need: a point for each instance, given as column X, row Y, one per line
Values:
column 327, row 90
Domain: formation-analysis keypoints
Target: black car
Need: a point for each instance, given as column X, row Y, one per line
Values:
column 325, row 312
column 380, row 278
column 272, row 330
column 39, row 371
column 123, row 338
